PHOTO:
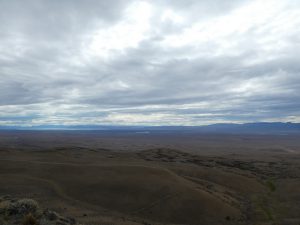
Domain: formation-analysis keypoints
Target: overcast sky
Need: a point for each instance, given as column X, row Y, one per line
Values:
column 158, row 62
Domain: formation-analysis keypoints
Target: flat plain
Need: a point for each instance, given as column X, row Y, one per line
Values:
column 159, row 178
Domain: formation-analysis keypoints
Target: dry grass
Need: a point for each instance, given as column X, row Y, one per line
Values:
column 159, row 186
column 29, row 219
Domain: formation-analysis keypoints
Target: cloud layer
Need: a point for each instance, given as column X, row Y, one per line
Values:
column 149, row 62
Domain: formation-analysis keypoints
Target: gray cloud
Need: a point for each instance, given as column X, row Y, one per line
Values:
column 149, row 62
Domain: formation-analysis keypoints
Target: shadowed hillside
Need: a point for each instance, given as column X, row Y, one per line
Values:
column 158, row 185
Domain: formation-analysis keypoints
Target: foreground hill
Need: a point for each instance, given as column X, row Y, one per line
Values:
column 253, row 183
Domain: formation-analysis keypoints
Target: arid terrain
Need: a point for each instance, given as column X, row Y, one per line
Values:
column 121, row 178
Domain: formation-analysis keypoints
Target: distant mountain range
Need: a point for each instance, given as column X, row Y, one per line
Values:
column 255, row 128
